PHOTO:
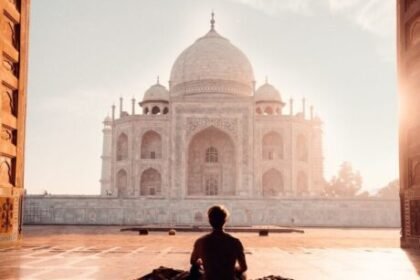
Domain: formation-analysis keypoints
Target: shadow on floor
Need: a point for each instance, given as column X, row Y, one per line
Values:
column 414, row 257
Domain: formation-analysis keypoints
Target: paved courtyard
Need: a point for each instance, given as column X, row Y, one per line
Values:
column 68, row 252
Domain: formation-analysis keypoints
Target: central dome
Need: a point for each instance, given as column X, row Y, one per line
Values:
column 212, row 65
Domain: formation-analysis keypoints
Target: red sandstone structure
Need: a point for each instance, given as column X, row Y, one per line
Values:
column 409, row 79
column 13, row 75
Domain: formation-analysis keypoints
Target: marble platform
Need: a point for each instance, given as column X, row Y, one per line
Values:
column 65, row 252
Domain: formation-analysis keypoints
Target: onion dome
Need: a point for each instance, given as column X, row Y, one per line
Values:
column 267, row 93
column 107, row 119
column 156, row 93
column 212, row 65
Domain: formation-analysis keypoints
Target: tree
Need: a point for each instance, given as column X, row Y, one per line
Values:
column 364, row 194
column 347, row 183
column 391, row 190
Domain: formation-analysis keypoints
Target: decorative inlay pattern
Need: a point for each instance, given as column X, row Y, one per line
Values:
column 237, row 125
column 6, row 215
column 226, row 124
column 415, row 217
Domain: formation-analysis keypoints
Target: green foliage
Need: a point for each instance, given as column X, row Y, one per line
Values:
column 347, row 183
column 391, row 190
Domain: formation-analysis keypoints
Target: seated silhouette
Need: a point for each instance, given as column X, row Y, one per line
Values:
column 218, row 253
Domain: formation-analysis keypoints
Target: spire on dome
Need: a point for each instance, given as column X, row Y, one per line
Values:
column 212, row 21
column 157, row 80
column 266, row 79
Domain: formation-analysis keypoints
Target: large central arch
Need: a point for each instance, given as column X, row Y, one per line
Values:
column 211, row 163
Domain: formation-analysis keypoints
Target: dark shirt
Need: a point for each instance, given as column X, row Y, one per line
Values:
column 219, row 252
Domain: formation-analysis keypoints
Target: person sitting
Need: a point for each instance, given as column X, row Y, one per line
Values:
column 220, row 254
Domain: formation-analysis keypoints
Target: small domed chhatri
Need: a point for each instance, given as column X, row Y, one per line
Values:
column 211, row 136
column 212, row 65
column 155, row 100
column 267, row 92
column 157, row 92
column 268, row 100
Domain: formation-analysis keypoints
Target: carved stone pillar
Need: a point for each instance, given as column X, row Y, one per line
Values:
column 409, row 140
column 14, row 21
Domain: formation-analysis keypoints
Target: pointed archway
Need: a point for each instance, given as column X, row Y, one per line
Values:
column 211, row 163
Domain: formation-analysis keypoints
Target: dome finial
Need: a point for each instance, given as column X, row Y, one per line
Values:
column 157, row 80
column 266, row 79
column 212, row 21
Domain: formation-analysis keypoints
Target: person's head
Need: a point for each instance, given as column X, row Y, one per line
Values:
column 218, row 215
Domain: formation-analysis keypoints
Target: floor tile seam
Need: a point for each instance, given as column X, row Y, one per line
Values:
column 52, row 257
column 41, row 251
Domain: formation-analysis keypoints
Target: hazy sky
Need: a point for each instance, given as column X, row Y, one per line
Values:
column 85, row 54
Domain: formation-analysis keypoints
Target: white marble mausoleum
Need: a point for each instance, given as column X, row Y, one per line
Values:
column 212, row 133
column 212, row 137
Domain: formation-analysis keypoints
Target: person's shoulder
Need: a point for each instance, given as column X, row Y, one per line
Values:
column 232, row 238
column 202, row 238
column 228, row 235
column 237, row 242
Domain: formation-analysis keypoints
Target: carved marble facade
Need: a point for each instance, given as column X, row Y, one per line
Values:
column 212, row 134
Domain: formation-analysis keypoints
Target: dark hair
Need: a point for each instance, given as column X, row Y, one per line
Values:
column 217, row 216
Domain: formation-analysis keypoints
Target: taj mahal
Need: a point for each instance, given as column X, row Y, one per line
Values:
column 212, row 133
column 212, row 136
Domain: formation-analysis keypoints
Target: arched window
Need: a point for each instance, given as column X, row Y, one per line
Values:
column 198, row 217
column 212, row 155
column 272, row 183
column 211, row 152
column 272, row 146
column 165, row 110
column 122, row 183
column 150, row 182
column 211, row 185
column 145, row 110
column 155, row 110
column 302, row 183
column 151, row 145
column 268, row 111
column 258, row 111
column 122, row 147
column 302, row 148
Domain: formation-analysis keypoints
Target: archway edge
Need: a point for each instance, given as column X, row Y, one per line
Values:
column 224, row 134
column 203, row 129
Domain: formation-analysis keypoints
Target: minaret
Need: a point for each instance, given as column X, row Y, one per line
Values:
column 212, row 21
column 106, row 158
column 303, row 107
column 312, row 112
column 317, row 157
column 133, row 106
column 291, row 106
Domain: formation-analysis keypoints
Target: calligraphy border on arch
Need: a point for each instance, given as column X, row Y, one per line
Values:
column 245, row 115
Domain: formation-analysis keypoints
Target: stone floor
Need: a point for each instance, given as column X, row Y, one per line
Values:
column 54, row 252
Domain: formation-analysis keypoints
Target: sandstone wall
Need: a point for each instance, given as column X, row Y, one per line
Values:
column 96, row 210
